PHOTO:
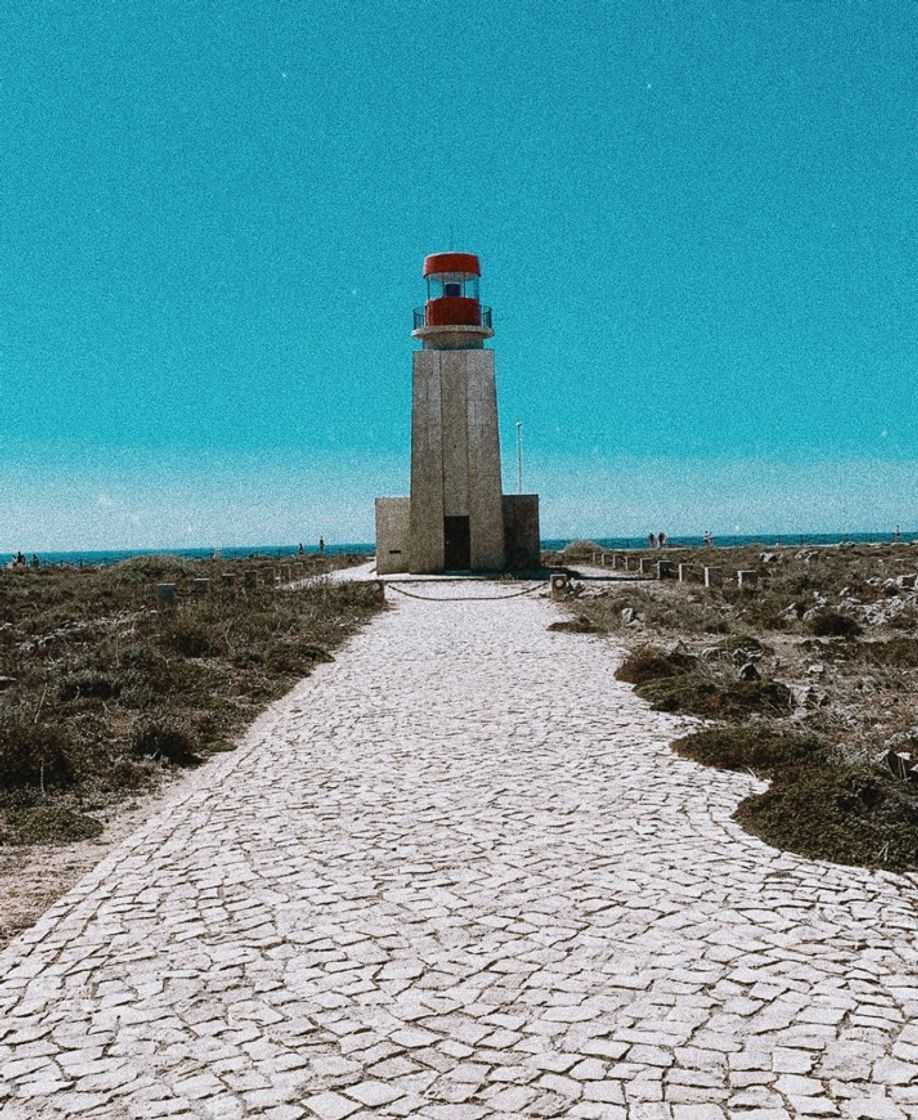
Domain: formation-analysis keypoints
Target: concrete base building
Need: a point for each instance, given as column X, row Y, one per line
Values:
column 457, row 517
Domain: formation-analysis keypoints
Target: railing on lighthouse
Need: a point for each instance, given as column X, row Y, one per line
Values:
column 452, row 293
column 484, row 319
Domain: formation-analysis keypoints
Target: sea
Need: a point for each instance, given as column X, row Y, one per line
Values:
column 96, row 558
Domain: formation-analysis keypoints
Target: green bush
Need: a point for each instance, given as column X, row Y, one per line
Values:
column 846, row 814
column 759, row 748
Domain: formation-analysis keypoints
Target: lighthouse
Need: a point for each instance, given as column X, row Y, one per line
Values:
column 457, row 518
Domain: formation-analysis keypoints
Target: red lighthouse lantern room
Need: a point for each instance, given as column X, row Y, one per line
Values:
column 452, row 290
column 452, row 317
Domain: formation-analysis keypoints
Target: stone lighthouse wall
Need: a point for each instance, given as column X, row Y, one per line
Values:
column 455, row 458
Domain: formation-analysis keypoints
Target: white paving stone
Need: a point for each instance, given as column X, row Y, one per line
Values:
column 458, row 874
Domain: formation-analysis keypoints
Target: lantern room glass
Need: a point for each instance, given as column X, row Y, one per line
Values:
column 450, row 284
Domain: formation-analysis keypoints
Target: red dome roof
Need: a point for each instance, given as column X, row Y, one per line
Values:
column 452, row 262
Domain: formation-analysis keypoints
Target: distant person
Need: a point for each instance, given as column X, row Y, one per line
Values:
column 661, row 540
column 300, row 550
column 35, row 561
column 20, row 559
column 897, row 536
column 651, row 540
column 321, row 544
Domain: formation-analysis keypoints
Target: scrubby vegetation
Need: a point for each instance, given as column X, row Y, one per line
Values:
column 579, row 624
column 846, row 814
column 678, row 682
column 101, row 693
column 765, row 750
column 810, row 680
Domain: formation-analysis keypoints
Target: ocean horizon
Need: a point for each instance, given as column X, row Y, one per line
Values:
column 103, row 557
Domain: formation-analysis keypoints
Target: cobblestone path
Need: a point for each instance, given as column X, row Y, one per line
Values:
column 455, row 875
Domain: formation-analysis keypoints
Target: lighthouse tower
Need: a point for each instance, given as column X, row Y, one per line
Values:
column 457, row 518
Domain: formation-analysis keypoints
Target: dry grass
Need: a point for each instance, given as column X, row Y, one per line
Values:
column 107, row 692
column 832, row 634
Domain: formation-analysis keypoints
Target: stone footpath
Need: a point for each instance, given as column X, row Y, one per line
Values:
column 455, row 875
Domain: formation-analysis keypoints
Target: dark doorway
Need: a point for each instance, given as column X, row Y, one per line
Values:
column 457, row 545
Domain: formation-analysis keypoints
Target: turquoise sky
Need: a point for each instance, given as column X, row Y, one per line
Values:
column 696, row 221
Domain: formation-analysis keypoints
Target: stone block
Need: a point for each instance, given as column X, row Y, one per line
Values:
column 522, row 545
column 393, row 531
column 713, row 577
column 166, row 596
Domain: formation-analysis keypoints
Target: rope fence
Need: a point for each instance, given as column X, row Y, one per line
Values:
column 464, row 598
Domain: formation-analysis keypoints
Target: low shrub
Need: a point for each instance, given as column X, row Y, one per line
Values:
column 188, row 637
column 704, row 696
column 853, row 815
column 293, row 657
column 32, row 754
column 831, row 624
column 580, row 624
column 144, row 570
column 46, row 824
column 168, row 739
column 88, row 685
column 649, row 663
column 579, row 550
column 759, row 748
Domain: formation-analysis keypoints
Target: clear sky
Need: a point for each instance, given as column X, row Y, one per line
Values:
column 696, row 221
